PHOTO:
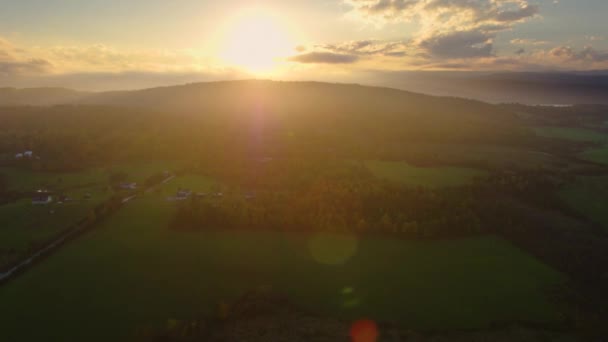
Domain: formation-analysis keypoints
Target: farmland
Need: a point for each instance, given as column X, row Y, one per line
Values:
column 406, row 174
column 598, row 155
column 25, row 227
column 572, row 133
column 588, row 196
column 132, row 272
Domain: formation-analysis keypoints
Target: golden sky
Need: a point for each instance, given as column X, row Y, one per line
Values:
column 86, row 42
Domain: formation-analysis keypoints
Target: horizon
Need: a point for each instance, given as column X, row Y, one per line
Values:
column 351, row 41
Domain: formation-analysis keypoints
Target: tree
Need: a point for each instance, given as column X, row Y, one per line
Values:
column 3, row 184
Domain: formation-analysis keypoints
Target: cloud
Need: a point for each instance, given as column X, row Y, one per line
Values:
column 473, row 11
column 16, row 68
column 526, row 41
column 14, row 63
column 524, row 12
column 587, row 54
column 450, row 28
column 99, row 58
column 324, row 58
column 369, row 48
column 460, row 44
column 387, row 8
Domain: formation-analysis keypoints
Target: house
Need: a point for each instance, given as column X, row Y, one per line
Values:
column 19, row 156
column 42, row 198
column 182, row 194
column 128, row 186
column 28, row 154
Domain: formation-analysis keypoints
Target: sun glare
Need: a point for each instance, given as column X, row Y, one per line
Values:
column 256, row 40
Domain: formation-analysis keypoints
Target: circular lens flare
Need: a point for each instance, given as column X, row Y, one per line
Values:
column 364, row 330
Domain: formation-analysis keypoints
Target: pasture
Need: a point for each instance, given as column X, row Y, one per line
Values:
column 133, row 272
column 571, row 133
column 598, row 155
column 404, row 173
column 588, row 197
column 24, row 226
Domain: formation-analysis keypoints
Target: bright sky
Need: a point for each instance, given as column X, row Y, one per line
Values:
column 81, row 43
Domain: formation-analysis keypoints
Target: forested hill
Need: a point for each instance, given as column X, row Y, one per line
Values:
column 39, row 96
column 299, row 112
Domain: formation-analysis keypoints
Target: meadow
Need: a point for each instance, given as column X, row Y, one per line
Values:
column 24, row 226
column 588, row 197
column 133, row 272
column 598, row 155
column 572, row 134
column 404, row 173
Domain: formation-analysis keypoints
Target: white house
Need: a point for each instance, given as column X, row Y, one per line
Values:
column 28, row 154
column 19, row 156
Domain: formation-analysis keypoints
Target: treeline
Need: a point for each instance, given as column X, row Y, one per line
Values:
column 354, row 201
column 312, row 121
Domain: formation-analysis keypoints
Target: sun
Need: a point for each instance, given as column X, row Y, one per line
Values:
column 256, row 40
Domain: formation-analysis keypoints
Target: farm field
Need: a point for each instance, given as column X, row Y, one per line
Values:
column 21, row 179
column 598, row 155
column 477, row 155
column 588, row 196
column 571, row 133
column 134, row 272
column 407, row 174
column 24, row 226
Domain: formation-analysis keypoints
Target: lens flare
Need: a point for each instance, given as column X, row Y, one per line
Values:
column 364, row 330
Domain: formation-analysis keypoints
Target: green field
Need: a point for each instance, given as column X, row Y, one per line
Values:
column 407, row 174
column 570, row 133
column 133, row 272
column 598, row 155
column 23, row 224
column 493, row 156
column 139, row 171
column 588, row 196
column 21, row 179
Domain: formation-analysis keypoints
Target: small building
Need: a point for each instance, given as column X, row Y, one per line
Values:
column 42, row 198
column 128, row 186
column 28, row 154
column 19, row 156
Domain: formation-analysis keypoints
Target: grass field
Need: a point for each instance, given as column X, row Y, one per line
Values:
column 404, row 173
column 21, row 179
column 132, row 272
column 598, row 155
column 23, row 224
column 139, row 171
column 588, row 196
column 477, row 154
column 570, row 133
